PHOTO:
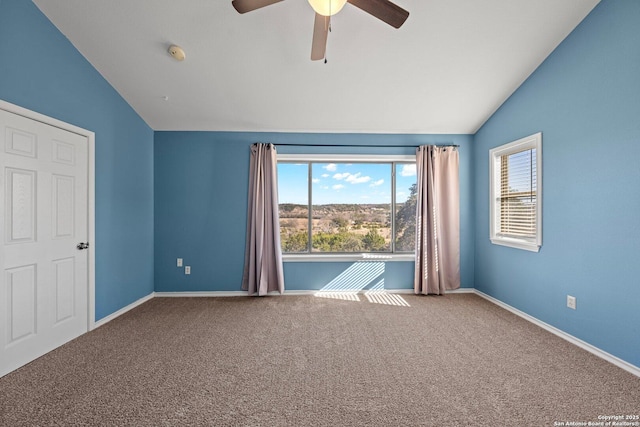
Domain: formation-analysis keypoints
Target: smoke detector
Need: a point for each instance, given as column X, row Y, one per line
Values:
column 177, row 52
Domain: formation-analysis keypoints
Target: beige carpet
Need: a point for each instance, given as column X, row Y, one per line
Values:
column 307, row 361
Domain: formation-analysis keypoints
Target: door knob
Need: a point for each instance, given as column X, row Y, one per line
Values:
column 82, row 246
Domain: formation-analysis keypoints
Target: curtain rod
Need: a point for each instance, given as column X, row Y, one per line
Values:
column 365, row 146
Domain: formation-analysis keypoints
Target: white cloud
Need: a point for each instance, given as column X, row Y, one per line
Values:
column 340, row 176
column 408, row 170
column 338, row 186
column 377, row 183
column 351, row 178
column 325, row 175
column 357, row 179
column 315, row 180
column 331, row 167
column 325, row 187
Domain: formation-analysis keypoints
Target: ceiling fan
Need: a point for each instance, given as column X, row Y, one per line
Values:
column 384, row 10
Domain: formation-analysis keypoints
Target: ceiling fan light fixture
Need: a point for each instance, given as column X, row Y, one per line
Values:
column 327, row 7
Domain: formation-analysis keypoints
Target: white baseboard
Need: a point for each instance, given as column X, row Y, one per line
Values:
column 122, row 311
column 286, row 292
column 462, row 291
column 410, row 291
column 222, row 294
column 633, row 369
column 199, row 294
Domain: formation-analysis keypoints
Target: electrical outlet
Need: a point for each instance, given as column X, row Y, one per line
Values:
column 571, row 302
column 187, row 270
column 179, row 262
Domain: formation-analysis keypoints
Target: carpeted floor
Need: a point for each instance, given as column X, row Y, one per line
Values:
column 410, row 360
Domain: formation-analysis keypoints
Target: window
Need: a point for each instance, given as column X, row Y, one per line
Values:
column 516, row 193
column 347, row 205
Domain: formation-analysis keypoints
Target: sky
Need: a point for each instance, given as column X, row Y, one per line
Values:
column 355, row 183
column 522, row 171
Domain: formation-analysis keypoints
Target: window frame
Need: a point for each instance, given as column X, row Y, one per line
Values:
column 530, row 142
column 392, row 159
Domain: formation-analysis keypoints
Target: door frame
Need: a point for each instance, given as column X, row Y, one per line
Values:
column 91, row 266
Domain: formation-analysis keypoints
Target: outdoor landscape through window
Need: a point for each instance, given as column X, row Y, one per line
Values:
column 347, row 208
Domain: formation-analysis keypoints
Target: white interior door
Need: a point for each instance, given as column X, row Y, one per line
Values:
column 43, row 217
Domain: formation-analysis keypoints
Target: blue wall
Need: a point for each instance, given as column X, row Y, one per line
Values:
column 201, row 181
column 585, row 99
column 40, row 70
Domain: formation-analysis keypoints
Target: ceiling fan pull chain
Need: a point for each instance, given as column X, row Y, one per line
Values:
column 325, row 57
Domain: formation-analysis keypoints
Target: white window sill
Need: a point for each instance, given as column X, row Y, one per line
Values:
column 515, row 243
column 348, row 257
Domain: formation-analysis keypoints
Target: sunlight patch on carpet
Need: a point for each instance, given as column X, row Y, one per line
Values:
column 350, row 283
column 378, row 295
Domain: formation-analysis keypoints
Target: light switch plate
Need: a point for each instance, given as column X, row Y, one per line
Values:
column 179, row 262
column 187, row 270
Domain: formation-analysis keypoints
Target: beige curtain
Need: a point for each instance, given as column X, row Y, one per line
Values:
column 263, row 255
column 437, row 220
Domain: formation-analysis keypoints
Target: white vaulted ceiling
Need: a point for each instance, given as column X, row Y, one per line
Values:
column 451, row 65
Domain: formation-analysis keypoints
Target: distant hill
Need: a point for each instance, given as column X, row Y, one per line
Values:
column 290, row 210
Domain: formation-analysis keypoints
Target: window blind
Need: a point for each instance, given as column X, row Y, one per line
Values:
column 517, row 199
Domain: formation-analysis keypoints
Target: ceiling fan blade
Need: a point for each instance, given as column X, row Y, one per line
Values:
column 384, row 10
column 320, row 33
column 244, row 6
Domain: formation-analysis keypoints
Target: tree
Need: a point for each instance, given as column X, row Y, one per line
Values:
column 374, row 242
column 341, row 223
column 352, row 243
column 406, row 222
column 295, row 242
column 337, row 242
